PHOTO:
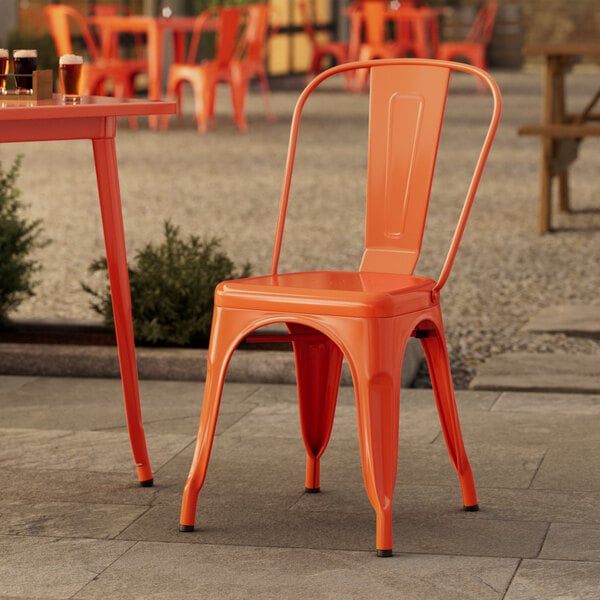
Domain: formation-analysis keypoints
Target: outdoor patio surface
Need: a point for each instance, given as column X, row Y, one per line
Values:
column 75, row 524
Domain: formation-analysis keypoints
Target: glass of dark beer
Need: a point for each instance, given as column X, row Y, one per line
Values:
column 70, row 67
column 24, row 64
column 4, row 63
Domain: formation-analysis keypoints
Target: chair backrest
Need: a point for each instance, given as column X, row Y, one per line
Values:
column 228, row 23
column 406, row 109
column 306, row 20
column 374, row 21
column 61, row 19
column 253, row 41
column 483, row 25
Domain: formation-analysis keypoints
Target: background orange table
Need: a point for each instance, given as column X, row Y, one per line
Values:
column 154, row 28
column 96, row 119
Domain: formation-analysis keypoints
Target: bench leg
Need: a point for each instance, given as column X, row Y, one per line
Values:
column 544, row 223
column 563, row 191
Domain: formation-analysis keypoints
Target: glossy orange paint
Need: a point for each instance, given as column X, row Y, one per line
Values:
column 366, row 316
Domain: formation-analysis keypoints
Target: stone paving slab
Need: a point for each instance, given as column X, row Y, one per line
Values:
column 294, row 574
column 539, row 372
column 544, row 579
column 572, row 319
column 172, row 364
column 74, row 523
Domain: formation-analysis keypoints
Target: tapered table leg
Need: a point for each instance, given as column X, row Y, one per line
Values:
column 114, row 239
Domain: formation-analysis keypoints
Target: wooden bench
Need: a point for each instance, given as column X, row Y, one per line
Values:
column 561, row 149
column 561, row 133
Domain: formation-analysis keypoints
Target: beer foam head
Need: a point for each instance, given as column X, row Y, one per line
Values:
column 25, row 53
column 3, row 52
column 70, row 59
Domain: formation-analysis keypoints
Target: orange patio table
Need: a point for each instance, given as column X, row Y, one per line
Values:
column 95, row 119
column 154, row 28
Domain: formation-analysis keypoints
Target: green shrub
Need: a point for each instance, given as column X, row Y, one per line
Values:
column 17, row 238
column 172, row 287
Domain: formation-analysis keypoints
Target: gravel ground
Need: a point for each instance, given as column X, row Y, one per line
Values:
column 226, row 184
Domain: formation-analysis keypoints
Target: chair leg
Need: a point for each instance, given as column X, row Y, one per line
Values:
column 377, row 391
column 436, row 354
column 266, row 93
column 361, row 76
column 378, row 412
column 218, row 359
column 318, row 371
column 202, row 99
column 238, row 83
column 173, row 93
column 124, row 89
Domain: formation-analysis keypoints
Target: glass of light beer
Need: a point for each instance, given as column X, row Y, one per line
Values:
column 24, row 64
column 4, row 64
column 70, row 67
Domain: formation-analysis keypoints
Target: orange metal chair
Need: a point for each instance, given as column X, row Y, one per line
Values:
column 63, row 22
column 416, row 30
column 251, row 53
column 365, row 316
column 321, row 50
column 474, row 47
column 205, row 75
column 369, row 21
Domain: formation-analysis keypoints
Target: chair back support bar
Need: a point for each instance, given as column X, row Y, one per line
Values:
column 398, row 166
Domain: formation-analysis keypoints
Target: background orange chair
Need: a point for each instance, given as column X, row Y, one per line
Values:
column 321, row 50
column 474, row 47
column 417, row 30
column 205, row 75
column 251, row 54
column 369, row 38
column 64, row 23
column 365, row 316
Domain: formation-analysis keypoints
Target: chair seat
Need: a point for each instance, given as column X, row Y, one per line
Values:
column 353, row 294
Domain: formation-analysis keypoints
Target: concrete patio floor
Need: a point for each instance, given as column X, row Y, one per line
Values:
column 75, row 524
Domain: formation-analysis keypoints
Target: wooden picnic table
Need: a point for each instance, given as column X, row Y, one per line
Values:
column 561, row 132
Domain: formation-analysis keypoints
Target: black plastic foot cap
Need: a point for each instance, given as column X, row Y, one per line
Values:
column 147, row 483
column 186, row 528
column 384, row 553
column 473, row 508
column 312, row 490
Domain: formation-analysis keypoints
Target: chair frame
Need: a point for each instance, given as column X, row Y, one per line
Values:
column 204, row 76
column 474, row 46
column 250, row 55
column 339, row 51
column 371, row 19
column 334, row 315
